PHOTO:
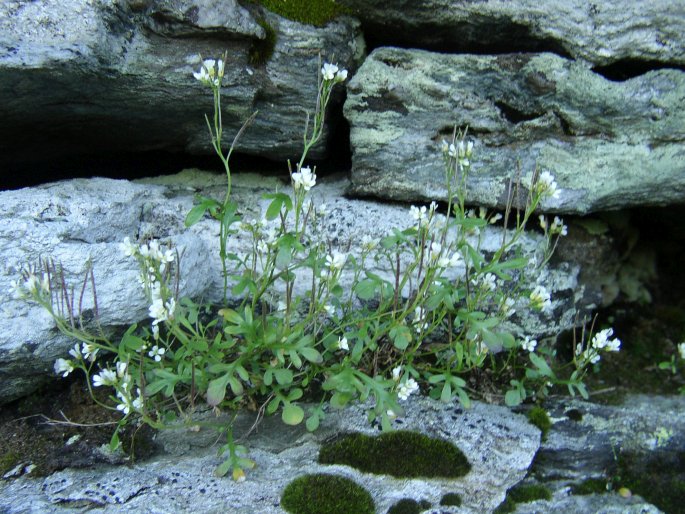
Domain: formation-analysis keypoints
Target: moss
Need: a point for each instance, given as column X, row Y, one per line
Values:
column 409, row 506
column 8, row 461
column 659, row 477
column 453, row 499
column 314, row 494
column 311, row 12
column 522, row 494
column 590, row 486
column 401, row 454
column 262, row 49
column 539, row 417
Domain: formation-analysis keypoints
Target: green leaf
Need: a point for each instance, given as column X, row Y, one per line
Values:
column 114, row 441
column 273, row 405
column 312, row 422
column 236, row 386
column 464, row 398
column 446, row 394
column 339, row 400
column 195, row 214
column 216, row 392
column 283, row 376
column 366, row 289
column 231, row 316
column 274, row 209
column 292, row 414
column 223, row 468
column 512, row 398
column 401, row 337
column 311, row 355
column 542, row 365
column 295, row 359
column 283, row 257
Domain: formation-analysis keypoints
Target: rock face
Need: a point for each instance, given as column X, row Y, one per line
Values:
column 81, row 221
column 608, row 144
column 498, row 444
column 600, row 33
column 501, row 447
column 111, row 76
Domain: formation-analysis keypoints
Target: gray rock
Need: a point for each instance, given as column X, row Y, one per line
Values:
column 609, row 144
column 598, row 32
column 85, row 220
column 104, row 77
column 499, row 445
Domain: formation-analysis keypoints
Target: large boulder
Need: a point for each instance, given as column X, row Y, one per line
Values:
column 609, row 144
column 81, row 221
column 601, row 33
column 112, row 76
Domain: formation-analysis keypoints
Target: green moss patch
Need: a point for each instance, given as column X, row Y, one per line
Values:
column 409, row 506
column 311, row 12
column 539, row 417
column 401, row 454
column 262, row 49
column 522, row 494
column 333, row 494
column 451, row 499
column 590, row 486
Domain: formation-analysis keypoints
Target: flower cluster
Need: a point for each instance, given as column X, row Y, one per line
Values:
column 461, row 152
column 407, row 388
column 211, row 72
column 528, row 344
column 31, row 285
column 331, row 72
column 547, row 186
column 557, row 226
column 600, row 342
column 304, row 179
column 540, row 299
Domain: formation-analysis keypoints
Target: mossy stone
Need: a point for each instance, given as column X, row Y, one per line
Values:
column 451, row 499
column 311, row 12
column 8, row 461
column 409, row 506
column 401, row 454
column 522, row 494
column 539, row 417
column 574, row 415
column 332, row 494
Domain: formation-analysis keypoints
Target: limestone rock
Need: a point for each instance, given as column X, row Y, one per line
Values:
column 609, row 144
column 597, row 32
column 499, row 445
column 81, row 221
column 106, row 76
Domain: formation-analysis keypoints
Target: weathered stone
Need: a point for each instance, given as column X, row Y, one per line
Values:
column 499, row 445
column 84, row 77
column 609, row 144
column 80, row 221
column 598, row 32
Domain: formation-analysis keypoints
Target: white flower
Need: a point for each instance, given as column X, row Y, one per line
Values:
column 155, row 332
column 421, row 323
column 407, row 388
column 137, row 404
column 304, row 179
column 322, row 210
column 329, row 70
column 435, row 250
column 341, row 76
column 450, row 262
column 558, row 227
column 681, row 350
column 342, row 344
column 540, row 299
column 396, row 372
column 543, row 222
column 433, row 207
column 336, row 260
column 156, row 353
column 489, row 282
column 160, row 311
column 419, row 214
column 125, row 406
column 601, row 341
column 32, row 284
column 16, row 289
column 63, row 367
column 330, row 310
column 128, row 248
column 106, row 377
column 547, row 186
column 495, row 218
column 211, row 72
column 528, row 344
column 121, row 369
column 89, row 351
column 75, row 352
column 368, row 243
